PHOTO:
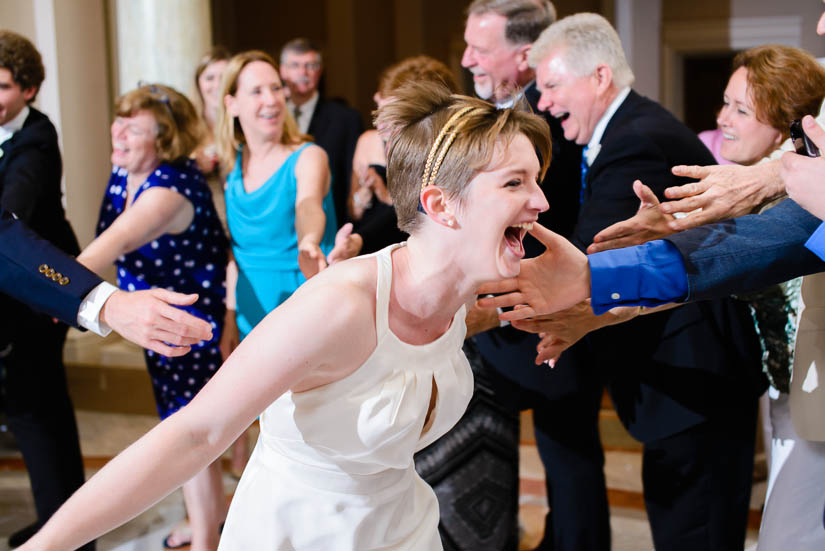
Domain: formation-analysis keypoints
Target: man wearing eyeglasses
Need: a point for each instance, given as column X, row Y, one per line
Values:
column 332, row 125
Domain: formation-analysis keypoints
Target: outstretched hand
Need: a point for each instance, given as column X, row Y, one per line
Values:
column 559, row 331
column 311, row 259
column 347, row 244
column 804, row 177
column 647, row 224
column 723, row 191
column 149, row 318
column 553, row 281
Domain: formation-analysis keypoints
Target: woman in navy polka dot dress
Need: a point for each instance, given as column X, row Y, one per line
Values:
column 159, row 225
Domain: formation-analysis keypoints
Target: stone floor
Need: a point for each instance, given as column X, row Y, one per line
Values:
column 105, row 434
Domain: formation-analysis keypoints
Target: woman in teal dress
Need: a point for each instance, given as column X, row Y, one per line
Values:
column 278, row 193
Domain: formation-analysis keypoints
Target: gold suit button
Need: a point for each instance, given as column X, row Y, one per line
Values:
column 43, row 268
column 49, row 272
column 56, row 276
column 64, row 280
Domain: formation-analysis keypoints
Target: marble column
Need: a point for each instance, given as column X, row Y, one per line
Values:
column 160, row 41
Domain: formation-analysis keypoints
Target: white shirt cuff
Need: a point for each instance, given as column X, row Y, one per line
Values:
column 88, row 315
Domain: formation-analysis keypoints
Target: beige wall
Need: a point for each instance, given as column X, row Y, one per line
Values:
column 18, row 16
column 85, row 101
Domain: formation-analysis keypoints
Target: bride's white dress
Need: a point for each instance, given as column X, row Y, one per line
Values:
column 333, row 467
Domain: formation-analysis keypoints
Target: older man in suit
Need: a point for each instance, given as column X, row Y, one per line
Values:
column 684, row 382
column 332, row 124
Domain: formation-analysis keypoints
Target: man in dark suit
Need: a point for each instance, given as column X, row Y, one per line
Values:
column 499, row 36
column 38, row 408
column 685, row 381
column 332, row 125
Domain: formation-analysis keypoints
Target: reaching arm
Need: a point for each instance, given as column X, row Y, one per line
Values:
column 150, row 319
column 144, row 317
column 295, row 344
column 312, row 175
column 650, row 275
column 157, row 211
column 723, row 191
column 648, row 223
column 563, row 329
column 22, row 253
column 555, row 280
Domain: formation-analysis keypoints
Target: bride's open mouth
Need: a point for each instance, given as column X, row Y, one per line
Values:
column 514, row 236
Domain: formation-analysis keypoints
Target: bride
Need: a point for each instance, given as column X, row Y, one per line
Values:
column 362, row 366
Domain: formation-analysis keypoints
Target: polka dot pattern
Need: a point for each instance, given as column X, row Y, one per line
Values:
column 191, row 262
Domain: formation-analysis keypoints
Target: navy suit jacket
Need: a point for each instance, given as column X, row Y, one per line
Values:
column 748, row 253
column 336, row 128
column 22, row 253
column 512, row 352
column 667, row 371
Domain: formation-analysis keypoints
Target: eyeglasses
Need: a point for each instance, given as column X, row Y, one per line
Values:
column 309, row 66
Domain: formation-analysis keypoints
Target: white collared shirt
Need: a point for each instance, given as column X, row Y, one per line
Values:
column 307, row 109
column 7, row 130
column 511, row 101
column 595, row 143
column 88, row 315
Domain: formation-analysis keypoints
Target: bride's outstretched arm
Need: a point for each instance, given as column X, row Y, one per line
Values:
column 326, row 327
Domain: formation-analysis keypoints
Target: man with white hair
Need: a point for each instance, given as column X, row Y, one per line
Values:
column 684, row 382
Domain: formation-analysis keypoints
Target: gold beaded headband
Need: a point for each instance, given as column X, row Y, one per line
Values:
column 455, row 123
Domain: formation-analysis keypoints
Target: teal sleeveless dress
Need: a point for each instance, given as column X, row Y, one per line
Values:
column 264, row 242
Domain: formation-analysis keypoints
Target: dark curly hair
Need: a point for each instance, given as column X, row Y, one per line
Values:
column 19, row 56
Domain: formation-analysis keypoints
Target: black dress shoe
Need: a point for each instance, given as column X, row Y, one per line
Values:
column 22, row 536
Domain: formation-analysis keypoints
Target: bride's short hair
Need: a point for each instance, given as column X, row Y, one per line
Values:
column 444, row 139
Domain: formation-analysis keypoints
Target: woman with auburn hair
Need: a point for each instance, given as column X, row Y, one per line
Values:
column 278, row 201
column 158, row 225
column 362, row 366
column 770, row 86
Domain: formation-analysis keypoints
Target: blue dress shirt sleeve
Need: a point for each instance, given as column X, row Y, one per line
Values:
column 650, row 274
column 816, row 243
